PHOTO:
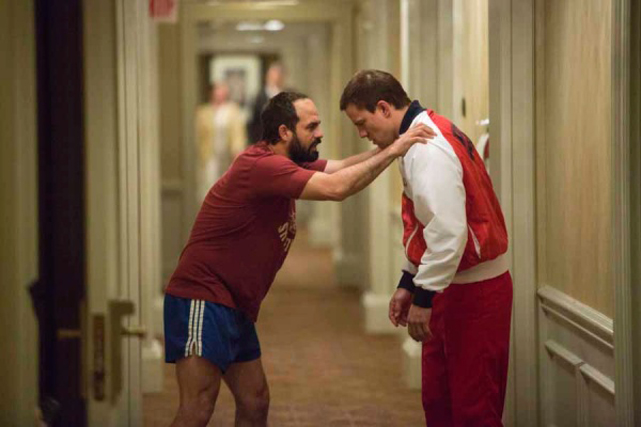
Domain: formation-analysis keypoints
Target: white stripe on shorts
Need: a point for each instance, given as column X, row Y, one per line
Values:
column 191, row 323
column 200, row 328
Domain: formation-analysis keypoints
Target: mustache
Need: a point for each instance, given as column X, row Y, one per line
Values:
column 316, row 142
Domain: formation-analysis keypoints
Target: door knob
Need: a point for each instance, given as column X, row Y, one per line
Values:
column 118, row 309
column 134, row 331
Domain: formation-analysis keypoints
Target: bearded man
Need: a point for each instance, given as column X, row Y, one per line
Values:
column 238, row 243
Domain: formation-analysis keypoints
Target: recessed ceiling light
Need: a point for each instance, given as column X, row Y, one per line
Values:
column 272, row 3
column 249, row 26
column 274, row 25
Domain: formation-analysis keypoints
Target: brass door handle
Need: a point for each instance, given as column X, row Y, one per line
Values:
column 139, row 331
column 68, row 334
column 118, row 310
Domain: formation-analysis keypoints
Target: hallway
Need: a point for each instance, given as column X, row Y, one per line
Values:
column 322, row 369
column 100, row 158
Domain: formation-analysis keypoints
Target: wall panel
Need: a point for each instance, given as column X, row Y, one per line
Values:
column 574, row 173
column 577, row 362
column 471, row 66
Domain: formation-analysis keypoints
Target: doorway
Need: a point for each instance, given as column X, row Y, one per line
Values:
column 59, row 293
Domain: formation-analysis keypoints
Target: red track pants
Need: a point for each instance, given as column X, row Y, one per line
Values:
column 465, row 362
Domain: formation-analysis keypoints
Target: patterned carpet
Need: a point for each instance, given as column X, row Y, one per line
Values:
column 322, row 369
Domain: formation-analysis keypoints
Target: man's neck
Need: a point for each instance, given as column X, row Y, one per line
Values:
column 278, row 148
column 397, row 116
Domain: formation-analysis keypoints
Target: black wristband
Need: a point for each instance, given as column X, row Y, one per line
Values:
column 407, row 282
column 423, row 297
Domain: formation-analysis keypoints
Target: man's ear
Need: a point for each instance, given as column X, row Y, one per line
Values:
column 385, row 107
column 284, row 133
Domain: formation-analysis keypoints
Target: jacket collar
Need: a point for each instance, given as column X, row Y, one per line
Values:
column 414, row 110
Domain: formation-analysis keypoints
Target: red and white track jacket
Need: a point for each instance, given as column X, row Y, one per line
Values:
column 454, row 231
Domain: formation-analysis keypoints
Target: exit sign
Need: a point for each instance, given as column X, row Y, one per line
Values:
column 164, row 10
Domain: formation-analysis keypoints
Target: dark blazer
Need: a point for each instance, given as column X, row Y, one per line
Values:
column 254, row 127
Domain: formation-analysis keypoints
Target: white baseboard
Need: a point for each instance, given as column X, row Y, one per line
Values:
column 412, row 352
column 376, row 314
column 348, row 270
column 152, row 366
column 321, row 230
column 157, row 316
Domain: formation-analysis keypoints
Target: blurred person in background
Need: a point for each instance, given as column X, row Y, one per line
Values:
column 274, row 84
column 455, row 293
column 220, row 136
column 239, row 241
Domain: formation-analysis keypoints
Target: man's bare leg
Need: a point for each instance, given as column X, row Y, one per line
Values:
column 199, row 384
column 248, row 384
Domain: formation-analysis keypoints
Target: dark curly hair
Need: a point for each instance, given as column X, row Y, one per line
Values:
column 280, row 110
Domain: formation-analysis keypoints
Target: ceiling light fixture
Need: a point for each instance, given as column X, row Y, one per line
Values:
column 249, row 26
column 274, row 25
column 272, row 3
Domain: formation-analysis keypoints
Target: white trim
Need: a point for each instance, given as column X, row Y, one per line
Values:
column 597, row 377
column 201, row 316
column 348, row 269
column 376, row 307
column 621, row 268
column 153, row 366
column 172, row 187
column 405, row 45
column 483, row 271
column 189, row 329
column 581, row 338
column 500, row 47
column 578, row 315
column 409, row 240
column 567, row 356
column 445, row 58
column 412, row 363
column 523, row 244
column 635, row 193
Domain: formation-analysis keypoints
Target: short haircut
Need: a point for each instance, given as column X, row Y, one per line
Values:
column 280, row 110
column 367, row 87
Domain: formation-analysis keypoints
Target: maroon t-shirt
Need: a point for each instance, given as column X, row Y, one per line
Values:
column 243, row 231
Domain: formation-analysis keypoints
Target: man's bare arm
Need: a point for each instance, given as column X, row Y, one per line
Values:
column 346, row 182
column 336, row 165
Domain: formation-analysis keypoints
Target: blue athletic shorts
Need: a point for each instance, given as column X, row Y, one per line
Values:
column 218, row 333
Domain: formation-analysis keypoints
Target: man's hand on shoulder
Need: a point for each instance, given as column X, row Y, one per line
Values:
column 420, row 133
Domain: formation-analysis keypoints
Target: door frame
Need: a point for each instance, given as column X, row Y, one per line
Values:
column 512, row 117
column 61, row 287
column 622, row 153
column 122, row 204
column 635, row 193
column 103, row 203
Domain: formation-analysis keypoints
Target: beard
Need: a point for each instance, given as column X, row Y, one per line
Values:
column 299, row 154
